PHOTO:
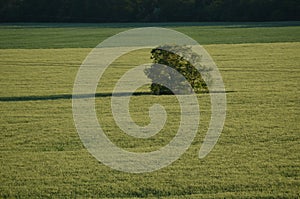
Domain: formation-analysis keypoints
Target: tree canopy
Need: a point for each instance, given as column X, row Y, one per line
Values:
column 147, row 10
column 167, row 81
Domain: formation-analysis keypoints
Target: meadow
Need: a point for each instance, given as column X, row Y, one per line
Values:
column 257, row 155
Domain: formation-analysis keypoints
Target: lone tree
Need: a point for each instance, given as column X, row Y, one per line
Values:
column 173, row 56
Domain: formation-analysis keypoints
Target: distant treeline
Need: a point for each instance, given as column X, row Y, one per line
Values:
column 147, row 10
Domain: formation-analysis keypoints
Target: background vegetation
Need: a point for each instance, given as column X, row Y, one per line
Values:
column 257, row 155
column 147, row 10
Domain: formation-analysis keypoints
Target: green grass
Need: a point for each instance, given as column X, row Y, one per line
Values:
column 257, row 155
column 41, row 36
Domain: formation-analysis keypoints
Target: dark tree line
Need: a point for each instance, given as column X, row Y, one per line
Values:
column 147, row 10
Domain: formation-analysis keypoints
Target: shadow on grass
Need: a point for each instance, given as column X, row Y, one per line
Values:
column 149, row 24
column 70, row 96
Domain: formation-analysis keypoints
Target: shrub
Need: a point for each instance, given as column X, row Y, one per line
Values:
column 173, row 56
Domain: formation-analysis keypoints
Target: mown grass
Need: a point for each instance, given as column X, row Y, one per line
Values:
column 41, row 155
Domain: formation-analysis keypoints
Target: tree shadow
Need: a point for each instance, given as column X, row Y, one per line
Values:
column 81, row 96
column 67, row 96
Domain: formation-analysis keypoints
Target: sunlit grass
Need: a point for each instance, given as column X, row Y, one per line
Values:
column 257, row 154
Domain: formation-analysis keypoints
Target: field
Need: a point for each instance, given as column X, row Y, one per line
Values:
column 257, row 155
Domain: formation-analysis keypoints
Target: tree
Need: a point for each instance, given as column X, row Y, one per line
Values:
column 147, row 10
column 173, row 56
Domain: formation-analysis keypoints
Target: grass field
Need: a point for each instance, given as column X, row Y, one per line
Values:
column 257, row 155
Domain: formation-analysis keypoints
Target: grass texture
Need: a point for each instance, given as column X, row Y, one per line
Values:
column 257, row 155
